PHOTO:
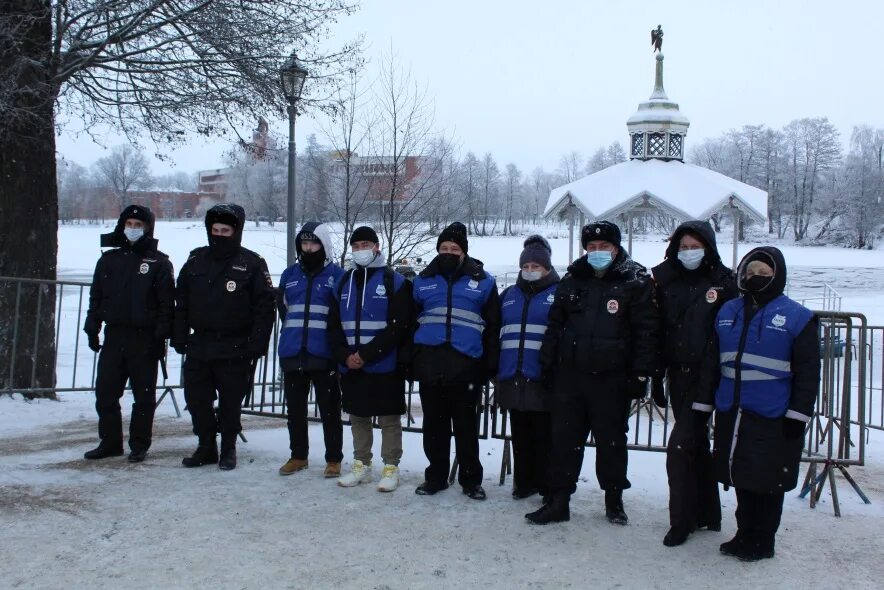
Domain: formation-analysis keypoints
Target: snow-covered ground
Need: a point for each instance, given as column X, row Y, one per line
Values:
column 69, row 523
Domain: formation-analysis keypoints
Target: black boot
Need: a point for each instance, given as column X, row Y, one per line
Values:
column 104, row 450
column 522, row 493
column 759, row 546
column 614, row 507
column 556, row 510
column 137, row 455
column 430, row 488
column 677, row 535
column 476, row 492
column 228, row 453
column 206, row 454
column 735, row 546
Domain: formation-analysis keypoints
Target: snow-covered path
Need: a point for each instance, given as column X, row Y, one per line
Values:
column 70, row 523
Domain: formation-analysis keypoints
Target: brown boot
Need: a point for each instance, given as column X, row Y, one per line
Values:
column 332, row 470
column 293, row 465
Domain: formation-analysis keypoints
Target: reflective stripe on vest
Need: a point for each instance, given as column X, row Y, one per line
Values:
column 523, row 340
column 307, row 299
column 462, row 325
column 764, row 369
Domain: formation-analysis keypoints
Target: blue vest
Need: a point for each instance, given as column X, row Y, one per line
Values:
column 452, row 312
column 765, row 361
column 523, row 324
column 364, row 313
column 306, row 300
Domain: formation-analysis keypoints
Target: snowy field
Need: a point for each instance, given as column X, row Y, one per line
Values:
column 68, row 523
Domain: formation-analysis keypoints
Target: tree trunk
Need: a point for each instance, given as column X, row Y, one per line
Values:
column 29, row 202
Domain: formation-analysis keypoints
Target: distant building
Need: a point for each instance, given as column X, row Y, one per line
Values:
column 102, row 203
column 214, row 181
column 377, row 174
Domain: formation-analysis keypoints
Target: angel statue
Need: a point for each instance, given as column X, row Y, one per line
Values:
column 657, row 38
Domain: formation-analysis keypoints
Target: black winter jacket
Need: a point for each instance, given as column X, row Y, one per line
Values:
column 443, row 365
column 689, row 300
column 605, row 324
column 133, row 287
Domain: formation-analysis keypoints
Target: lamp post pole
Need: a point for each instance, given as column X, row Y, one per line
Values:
column 290, row 197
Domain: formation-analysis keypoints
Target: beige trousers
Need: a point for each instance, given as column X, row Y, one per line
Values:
column 391, row 438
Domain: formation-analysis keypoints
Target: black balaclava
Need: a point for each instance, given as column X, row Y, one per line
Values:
column 310, row 261
column 762, row 290
column 223, row 247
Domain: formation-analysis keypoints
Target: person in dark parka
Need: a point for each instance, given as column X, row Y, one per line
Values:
column 692, row 284
column 456, row 351
column 368, row 325
column 520, row 388
column 133, row 295
column 600, row 348
column 762, row 378
column 223, row 322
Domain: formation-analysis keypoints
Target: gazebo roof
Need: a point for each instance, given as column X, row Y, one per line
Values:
column 676, row 189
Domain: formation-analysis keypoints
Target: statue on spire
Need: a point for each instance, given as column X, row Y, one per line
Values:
column 657, row 38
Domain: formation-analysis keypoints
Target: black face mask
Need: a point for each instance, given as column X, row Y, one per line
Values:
column 223, row 246
column 448, row 263
column 312, row 260
column 756, row 283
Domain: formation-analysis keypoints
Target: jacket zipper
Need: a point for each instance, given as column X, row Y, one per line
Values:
column 448, row 316
column 527, row 299
column 737, row 383
column 361, row 301
column 306, row 312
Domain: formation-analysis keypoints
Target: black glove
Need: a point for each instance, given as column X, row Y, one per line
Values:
column 636, row 386
column 658, row 392
column 180, row 348
column 701, row 419
column 793, row 429
column 94, row 345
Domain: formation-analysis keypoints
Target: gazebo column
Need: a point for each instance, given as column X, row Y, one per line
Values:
column 629, row 229
column 579, row 236
column 735, row 215
column 571, row 233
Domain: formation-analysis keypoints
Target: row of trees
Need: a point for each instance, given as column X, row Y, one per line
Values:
column 816, row 191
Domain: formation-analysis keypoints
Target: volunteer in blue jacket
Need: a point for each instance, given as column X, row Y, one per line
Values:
column 762, row 378
column 456, row 353
column 521, row 388
column 368, row 324
column 305, row 294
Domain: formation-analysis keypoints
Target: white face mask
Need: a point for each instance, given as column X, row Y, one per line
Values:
column 364, row 257
column 532, row 275
column 691, row 259
column 133, row 234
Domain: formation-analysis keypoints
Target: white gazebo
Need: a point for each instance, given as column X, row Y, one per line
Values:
column 656, row 180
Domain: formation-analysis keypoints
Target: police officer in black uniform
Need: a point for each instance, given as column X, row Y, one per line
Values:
column 692, row 285
column 224, row 312
column 132, row 294
column 600, row 349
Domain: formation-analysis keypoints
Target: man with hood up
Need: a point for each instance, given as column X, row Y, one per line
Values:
column 692, row 284
column 762, row 378
column 304, row 298
column 368, row 324
column 223, row 324
column 456, row 350
column 133, row 295
column 600, row 349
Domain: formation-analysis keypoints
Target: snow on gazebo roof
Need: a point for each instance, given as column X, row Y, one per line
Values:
column 674, row 188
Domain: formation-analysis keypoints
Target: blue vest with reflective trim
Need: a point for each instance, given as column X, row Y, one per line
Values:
column 522, row 332
column 307, row 299
column 461, row 325
column 364, row 318
column 764, row 367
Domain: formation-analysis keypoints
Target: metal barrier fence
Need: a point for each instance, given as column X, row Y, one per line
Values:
column 851, row 399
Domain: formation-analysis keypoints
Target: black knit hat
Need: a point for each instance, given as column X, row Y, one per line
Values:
column 537, row 250
column 364, row 234
column 600, row 230
column 457, row 233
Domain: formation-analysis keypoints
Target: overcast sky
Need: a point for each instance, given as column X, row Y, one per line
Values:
column 530, row 81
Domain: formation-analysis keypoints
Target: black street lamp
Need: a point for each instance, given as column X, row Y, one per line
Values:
column 291, row 77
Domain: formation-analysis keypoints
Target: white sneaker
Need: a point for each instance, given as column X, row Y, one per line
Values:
column 359, row 473
column 389, row 479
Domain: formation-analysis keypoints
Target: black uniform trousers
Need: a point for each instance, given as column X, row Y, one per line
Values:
column 328, row 398
column 693, row 490
column 447, row 409
column 225, row 379
column 126, row 355
column 597, row 404
column 758, row 516
column 531, row 439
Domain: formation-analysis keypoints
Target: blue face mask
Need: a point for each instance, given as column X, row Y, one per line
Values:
column 691, row 259
column 599, row 259
column 133, row 234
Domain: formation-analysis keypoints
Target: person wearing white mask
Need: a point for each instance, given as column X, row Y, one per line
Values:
column 368, row 324
column 133, row 297
column 691, row 286
column 522, row 387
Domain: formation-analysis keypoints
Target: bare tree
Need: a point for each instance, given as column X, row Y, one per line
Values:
column 73, row 191
column 863, row 197
column 164, row 67
column 571, row 166
column 513, row 194
column 124, row 169
column 490, row 191
column 469, row 189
